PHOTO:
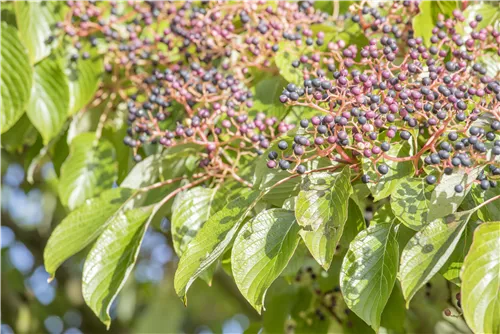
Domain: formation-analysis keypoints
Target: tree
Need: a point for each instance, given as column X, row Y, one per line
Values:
column 321, row 166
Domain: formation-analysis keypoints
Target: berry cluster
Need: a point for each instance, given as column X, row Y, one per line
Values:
column 193, row 105
column 438, row 99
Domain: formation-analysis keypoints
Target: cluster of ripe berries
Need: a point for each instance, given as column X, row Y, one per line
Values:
column 189, row 77
column 191, row 105
column 439, row 99
column 136, row 34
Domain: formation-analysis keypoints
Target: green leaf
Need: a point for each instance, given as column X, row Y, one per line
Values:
column 444, row 199
column 16, row 77
column 84, row 76
column 481, row 280
column 490, row 14
column 428, row 251
column 385, row 185
column 191, row 209
column 212, row 240
column 82, row 226
column 410, row 202
column 266, row 97
column 35, row 21
column 49, row 102
column 89, row 169
column 451, row 269
column 283, row 60
column 355, row 223
column 426, row 19
column 369, row 272
column 21, row 134
column 8, row 16
column 321, row 211
column 111, row 260
column 261, row 251
column 394, row 314
column 172, row 163
column 491, row 211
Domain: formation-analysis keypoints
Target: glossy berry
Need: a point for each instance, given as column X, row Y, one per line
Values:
column 431, row 179
column 283, row 145
column 459, row 188
column 284, row 164
column 383, row 169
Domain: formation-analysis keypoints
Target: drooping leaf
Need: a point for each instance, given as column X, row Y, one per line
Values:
column 481, row 280
column 191, row 209
column 20, row 134
column 451, row 269
column 84, row 76
column 444, row 199
column 394, row 314
column 36, row 21
column 410, row 202
column 266, row 97
column 212, row 240
column 172, row 163
column 111, row 260
column 89, row 169
column 369, row 272
column 384, row 185
column 16, row 77
column 491, row 211
column 82, row 226
column 321, row 211
column 49, row 101
column 354, row 224
column 428, row 251
column 261, row 251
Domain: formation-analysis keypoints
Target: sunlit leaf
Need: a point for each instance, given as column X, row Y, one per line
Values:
column 369, row 272
column 321, row 211
column 481, row 280
column 212, row 240
column 82, row 226
column 261, row 251
column 427, row 252
column 16, row 78
column 89, row 169
column 111, row 260
column 49, row 101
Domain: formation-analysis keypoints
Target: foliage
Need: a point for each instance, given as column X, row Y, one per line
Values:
column 330, row 160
